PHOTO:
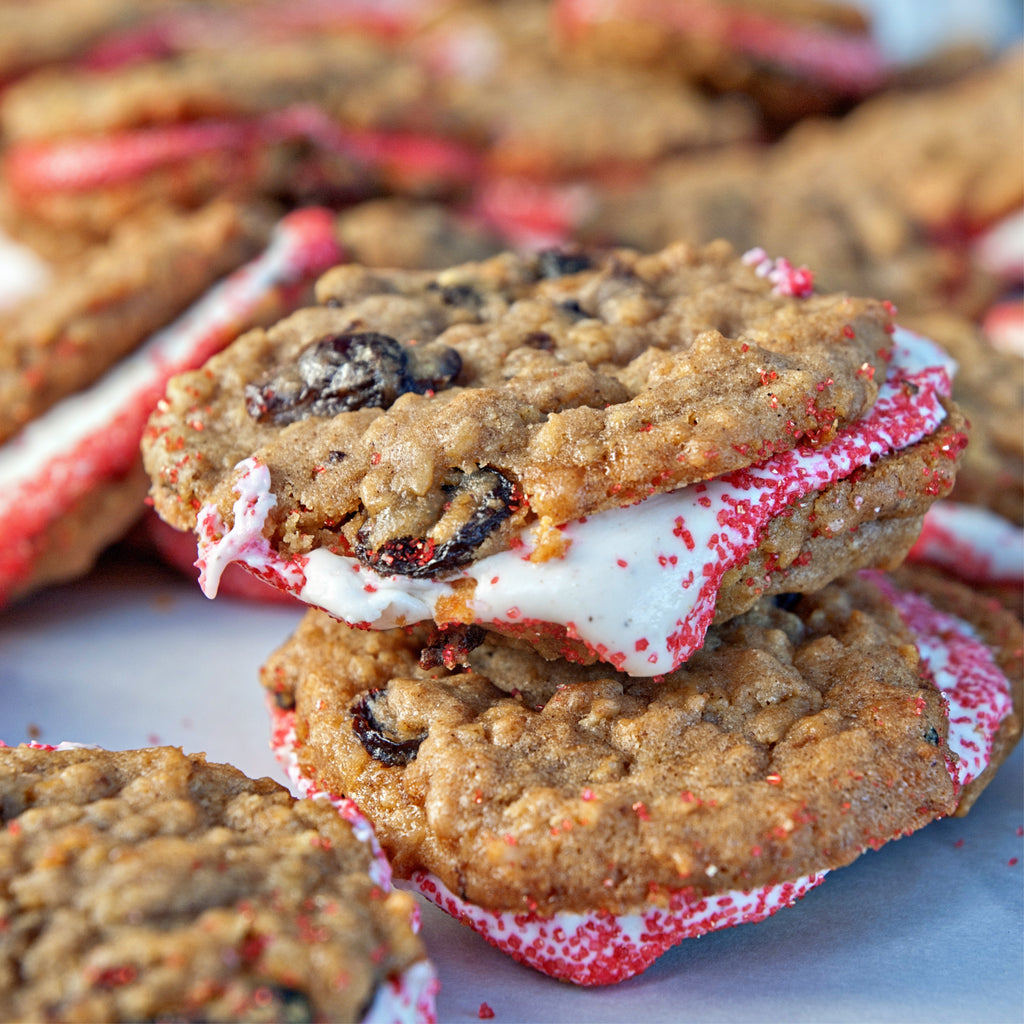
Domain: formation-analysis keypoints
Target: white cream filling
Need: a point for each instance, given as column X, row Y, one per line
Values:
column 637, row 584
column 23, row 273
column 409, row 999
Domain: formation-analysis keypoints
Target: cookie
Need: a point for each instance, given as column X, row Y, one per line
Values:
column 71, row 481
column 98, row 309
column 887, row 201
column 324, row 115
column 989, row 388
column 56, row 30
column 794, row 58
column 585, row 821
column 698, row 427
column 172, row 888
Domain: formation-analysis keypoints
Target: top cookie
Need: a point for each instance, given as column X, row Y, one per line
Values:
column 494, row 443
column 561, row 383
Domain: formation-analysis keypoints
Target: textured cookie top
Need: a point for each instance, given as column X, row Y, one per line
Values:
column 790, row 742
column 548, row 386
column 146, row 885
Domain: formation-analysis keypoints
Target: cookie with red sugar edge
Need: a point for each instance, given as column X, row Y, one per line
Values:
column 794, row 58
column 989, row 388
column 172, row 888
column 86, row 360
column 495, row 441
column 585, row 821
column 307, row 112
column 862, row 199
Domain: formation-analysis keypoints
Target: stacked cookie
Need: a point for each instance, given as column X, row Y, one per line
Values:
column 150, row 150
column 623, row 494
column 596, row 531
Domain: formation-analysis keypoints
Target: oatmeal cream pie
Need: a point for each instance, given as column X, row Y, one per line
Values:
column 167, row 887
column 313, row 115
column 600, row 450
column 584, row 821
column 84, row 362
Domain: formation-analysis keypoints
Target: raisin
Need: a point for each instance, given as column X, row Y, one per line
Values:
column 932, row 736
column 450, row 645
column 344, row 372
column 373, row 735
column 477, row 505
column 457, row 294
column 558, row 263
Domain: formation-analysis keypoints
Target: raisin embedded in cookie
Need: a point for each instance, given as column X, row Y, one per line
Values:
column 585, row 821
column 170, row 888
column 601, row 450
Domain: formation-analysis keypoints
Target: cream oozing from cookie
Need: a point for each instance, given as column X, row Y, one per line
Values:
column 598, row 948
column 406, row 999
column 638, row 585
column 94, row 435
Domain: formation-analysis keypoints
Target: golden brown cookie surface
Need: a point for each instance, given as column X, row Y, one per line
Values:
column 167, row 887
column 791, row 742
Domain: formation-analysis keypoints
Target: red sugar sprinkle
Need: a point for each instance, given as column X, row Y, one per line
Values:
column 641, row 811
column 485, row 1012
column 1012, row 862
column 621, row 562
column 114, row 977
column 375, row 459
column 958, row 844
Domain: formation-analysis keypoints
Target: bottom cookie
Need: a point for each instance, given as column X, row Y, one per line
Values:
column 584, row 821
column 151, row 885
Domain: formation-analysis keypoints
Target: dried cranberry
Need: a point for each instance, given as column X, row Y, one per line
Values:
column 559, row 263
column 479, row 503
column 450, row 645
column 373, row 735
column 344, row 372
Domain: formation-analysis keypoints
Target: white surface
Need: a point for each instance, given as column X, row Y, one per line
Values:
column 927, row 929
